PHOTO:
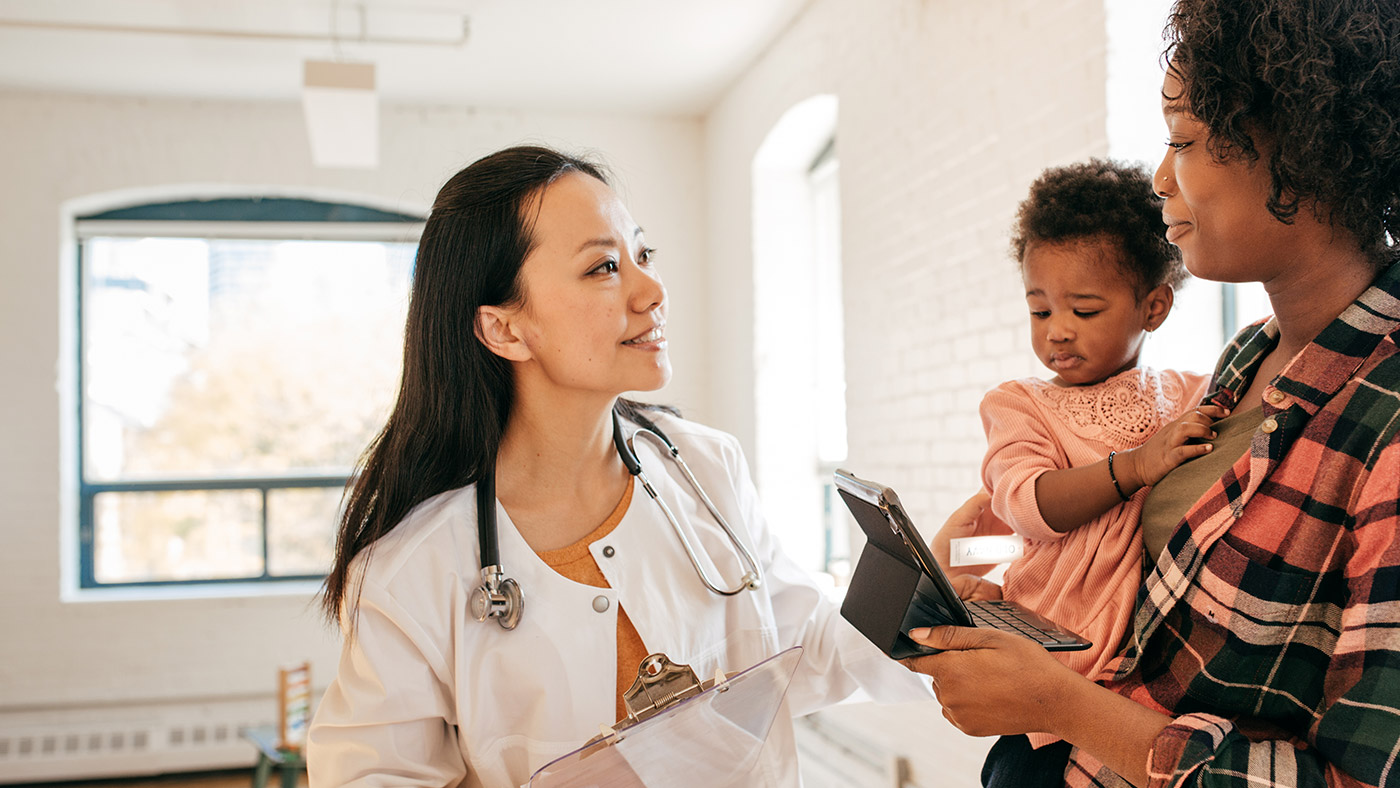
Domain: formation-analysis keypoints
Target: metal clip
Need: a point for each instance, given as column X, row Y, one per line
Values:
column 660, row 684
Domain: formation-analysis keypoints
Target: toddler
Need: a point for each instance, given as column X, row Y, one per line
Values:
column 1067, row 459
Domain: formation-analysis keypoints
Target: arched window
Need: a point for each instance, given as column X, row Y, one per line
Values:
column 799, row 342
column 234, row 356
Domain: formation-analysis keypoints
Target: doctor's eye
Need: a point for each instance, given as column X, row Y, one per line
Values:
column 605, row 267
column 647, row 256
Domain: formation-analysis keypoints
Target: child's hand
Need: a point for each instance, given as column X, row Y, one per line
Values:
column 1168, row 447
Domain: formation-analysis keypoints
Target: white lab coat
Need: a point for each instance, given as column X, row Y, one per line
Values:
column 427, row 696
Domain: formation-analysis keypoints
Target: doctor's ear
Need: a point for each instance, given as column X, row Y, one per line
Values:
column 495, row 328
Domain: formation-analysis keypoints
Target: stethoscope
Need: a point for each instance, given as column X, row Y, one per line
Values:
column 500, row 597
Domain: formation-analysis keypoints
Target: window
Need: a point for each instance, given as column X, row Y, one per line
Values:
column 799, row 362
column 234, row 358
column 1206, row 314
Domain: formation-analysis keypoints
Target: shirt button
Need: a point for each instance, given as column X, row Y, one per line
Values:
column 600, row 604
column 1274, row 397
column 1269, row 425
column 609, row 552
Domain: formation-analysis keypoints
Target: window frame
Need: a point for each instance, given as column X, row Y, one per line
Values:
column 227, row 217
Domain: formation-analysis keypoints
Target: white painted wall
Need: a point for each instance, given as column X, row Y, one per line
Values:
column 73, row 656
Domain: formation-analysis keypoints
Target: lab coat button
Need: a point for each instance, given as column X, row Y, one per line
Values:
column 600, row 603
column 609, row 552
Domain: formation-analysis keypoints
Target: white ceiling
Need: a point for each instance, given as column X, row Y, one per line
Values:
column 654, row 56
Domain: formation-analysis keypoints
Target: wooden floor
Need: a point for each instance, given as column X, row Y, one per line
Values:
column 242, row 778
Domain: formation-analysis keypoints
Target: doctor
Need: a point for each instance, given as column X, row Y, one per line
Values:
column 536, row 303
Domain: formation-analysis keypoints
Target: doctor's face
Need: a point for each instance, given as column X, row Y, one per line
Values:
column 594, row 313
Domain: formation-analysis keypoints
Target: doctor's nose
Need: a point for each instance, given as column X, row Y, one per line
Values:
column 648, row 292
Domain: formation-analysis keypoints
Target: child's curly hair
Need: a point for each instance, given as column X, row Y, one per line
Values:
column 1101, row 200
column 1322, row 79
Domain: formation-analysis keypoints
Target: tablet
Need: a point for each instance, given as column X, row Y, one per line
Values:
column 898, row 586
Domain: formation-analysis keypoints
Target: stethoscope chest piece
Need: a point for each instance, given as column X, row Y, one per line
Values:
column 498, row 597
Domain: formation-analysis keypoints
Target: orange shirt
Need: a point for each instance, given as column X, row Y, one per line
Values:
column 577, row 564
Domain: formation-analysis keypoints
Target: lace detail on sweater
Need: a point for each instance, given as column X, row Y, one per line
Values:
column 1121, row 412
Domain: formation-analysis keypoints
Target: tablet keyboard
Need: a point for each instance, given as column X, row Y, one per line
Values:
column 1010, row 617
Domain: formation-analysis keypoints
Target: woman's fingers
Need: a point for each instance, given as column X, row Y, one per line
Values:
column 990, row 682
column 961, row 523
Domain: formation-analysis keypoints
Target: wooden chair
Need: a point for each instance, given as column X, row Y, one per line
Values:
column 281, row 746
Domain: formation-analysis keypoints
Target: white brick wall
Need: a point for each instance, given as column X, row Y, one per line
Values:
column 948, row 110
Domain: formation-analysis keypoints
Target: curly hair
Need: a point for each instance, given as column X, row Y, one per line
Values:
column 1101, row 199
column 1321, row 78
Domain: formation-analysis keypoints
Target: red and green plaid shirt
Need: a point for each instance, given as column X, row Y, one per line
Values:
column 1270, row 629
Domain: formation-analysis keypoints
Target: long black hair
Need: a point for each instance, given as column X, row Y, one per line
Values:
column 455, row 395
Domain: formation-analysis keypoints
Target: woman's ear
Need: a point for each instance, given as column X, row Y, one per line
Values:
column 1156, row 306
column 496, row 329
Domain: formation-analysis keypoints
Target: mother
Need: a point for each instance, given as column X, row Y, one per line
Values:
column 1266, row 647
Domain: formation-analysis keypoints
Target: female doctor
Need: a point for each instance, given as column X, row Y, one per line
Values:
column 536, row 303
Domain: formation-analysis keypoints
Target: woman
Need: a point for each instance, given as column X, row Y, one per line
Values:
column 535, row 304
column 1265, row 649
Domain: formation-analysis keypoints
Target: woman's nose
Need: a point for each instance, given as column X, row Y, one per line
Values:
column 649, row 292
column 1162, row 180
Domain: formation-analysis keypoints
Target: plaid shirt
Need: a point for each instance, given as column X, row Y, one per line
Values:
column 1270, row 628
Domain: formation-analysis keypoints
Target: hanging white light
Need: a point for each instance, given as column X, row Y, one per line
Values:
column 342, row 113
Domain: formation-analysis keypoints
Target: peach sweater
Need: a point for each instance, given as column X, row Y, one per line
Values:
column 1086, row 579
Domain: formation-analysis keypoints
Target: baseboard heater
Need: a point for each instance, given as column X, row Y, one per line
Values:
column 76, row 743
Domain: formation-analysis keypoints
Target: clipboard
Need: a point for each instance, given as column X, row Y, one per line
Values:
column 680, row 732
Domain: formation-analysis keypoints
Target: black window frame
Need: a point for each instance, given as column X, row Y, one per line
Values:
column 165, row 219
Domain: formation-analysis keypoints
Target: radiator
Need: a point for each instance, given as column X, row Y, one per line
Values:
column 51, row 744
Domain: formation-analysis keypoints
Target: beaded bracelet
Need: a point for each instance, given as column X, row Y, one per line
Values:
column 1114, row 477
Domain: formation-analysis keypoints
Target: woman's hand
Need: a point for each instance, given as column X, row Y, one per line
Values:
column 972, row 518
column 974, row 588
column 1168, row 447
column 993, row 683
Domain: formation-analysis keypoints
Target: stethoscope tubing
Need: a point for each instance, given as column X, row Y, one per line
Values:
column 750, row 579
column 500, row 597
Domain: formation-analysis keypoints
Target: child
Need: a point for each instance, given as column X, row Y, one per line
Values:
column 1067, row 458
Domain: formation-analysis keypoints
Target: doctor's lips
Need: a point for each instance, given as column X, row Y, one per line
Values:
column 654, row 334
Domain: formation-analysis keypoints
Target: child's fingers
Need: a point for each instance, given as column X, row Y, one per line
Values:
column 1213, row 411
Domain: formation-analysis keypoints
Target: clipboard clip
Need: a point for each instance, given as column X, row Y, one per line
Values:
column 661, row 684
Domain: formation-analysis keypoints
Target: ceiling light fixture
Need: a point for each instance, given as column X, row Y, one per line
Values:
column 342, row 113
